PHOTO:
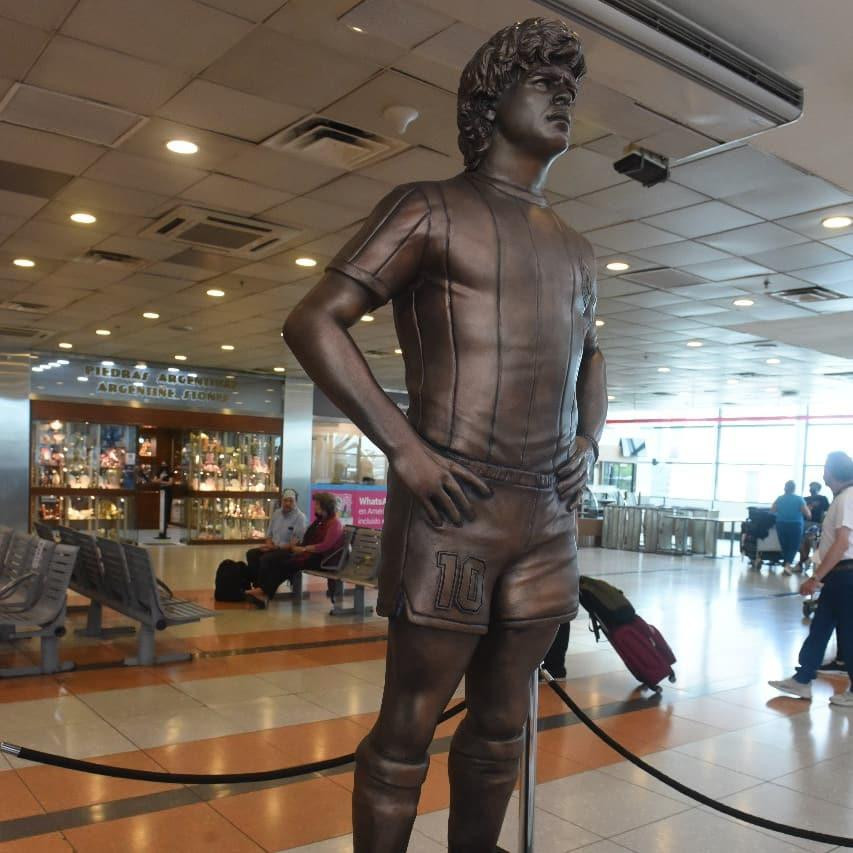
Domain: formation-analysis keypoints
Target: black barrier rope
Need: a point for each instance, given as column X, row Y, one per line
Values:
column 764, row 823
column 190, row 778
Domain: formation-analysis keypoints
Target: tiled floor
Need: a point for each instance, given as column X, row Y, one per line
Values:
column 292, row 685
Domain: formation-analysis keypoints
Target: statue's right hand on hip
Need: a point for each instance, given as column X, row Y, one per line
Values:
column 436, row 482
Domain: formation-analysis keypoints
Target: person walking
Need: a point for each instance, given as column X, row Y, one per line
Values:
column 834, row 570
column 791, row 510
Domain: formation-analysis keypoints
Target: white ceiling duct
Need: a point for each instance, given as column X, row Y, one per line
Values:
column 680, row 70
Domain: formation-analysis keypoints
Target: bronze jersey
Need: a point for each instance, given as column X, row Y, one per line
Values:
column 493, row 301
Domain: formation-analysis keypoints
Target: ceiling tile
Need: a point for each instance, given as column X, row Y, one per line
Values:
column 30, row 180
column 681, row 254
column 251, row 10
column 730, row 268
column 654, row 299
column 224, row 193
column 151, row 250
column 398, row 21
column 16, row 204
column 145, row 173
column 223, row 110
column 785, row 198
column 709, row 290
column 453, row 46
column 638, row 201
column 177, row 33
column 272, row 65
column 93, row 72
column 842, row 244
column 692, row 308
column 618, row 287
column 666, row 278
column 310, row 213
column 355, row 191
column 416, row 164
column 828, row 274
column 629, row 236
column 761, row 283
column 677, row 141
column 736, row 171
column 282, row 171
column 55, row 240
column 46, row 150
column 435, row 127
column 86, row 193
column 45, row 14
column 753, row 239
column 700, row 219
column 442, row 76
column 20, row 46
column 809, row 224
column 797, row 257
column 584, row 217
column 580, row 171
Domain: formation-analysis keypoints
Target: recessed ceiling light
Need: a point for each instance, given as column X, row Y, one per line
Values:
column 23, row 262
column 215, row 291
column 368, row 318
column 743, row 303
column 836, row 222
column 229, row 376
column 305, row 262
column 174, row 369
column 279, row 369
column 695, row 344
column 83, row 218
column 65, row 345
column 355, row 29
column 181, row 146
column 610, row 397
column 773, row 361
column 600, row 323
column 36, row 368
column 103, row 332
column 618, row 266
column 62, row 361
column 398, row 351
column 108, row 364
column 664, row 370
column 180, row 358
column 150, row 315
column 227, row 346
column 82, row 378
column 141, row 365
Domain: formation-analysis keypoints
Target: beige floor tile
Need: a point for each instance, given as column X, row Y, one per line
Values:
column 830, row 780
column 77, row 740
column 229, row 690
column 312, row 679
column 156, row 700
column 273, row 711
column 346, row 701
column 197, row 724
column 37, row 714
column 551, row 834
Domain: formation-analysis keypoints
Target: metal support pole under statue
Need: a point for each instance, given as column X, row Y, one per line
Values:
column 527, row 780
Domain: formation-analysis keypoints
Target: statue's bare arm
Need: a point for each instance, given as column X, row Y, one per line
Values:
column 317, row 331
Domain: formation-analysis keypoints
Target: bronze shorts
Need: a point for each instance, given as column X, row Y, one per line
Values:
column 515, row 564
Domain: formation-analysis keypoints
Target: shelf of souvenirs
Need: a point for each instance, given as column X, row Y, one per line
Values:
column 98, row 514
column 226, row 519
column 227, row 493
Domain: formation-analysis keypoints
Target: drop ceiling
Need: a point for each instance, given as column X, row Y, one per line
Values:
column 228, row 75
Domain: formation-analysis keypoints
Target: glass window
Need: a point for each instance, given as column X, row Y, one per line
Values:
column 822, row 438
column 341, row 454
column 759, row 444
column 752, row 484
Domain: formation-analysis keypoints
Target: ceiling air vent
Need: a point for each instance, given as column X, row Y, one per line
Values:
column 23, row 307
column 99, row 256
column 333, row 143
column 23, row 333
column 220, row 232
column 807, row 295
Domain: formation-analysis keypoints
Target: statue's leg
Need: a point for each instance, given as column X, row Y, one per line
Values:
column 423, row 668
column 487, row 745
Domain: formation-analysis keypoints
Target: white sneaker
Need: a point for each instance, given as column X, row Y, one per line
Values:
column 794, row 687
column 786, row 570
column 843, row 700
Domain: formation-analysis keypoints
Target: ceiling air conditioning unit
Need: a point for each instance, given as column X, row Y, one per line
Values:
column 224, row 233
column 672, row 66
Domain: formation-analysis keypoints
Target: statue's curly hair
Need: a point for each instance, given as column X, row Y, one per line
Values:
column 507, row 55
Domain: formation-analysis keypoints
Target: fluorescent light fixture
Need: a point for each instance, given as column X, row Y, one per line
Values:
column 174, row 369
column 773, row 361
column 83, row 218
column 610, row 398
column 664, row 369
column 23, row 262
column 62, row 361
column 618, row 266
column 368, row 318
column 108, row 364
column 398, row 351
column 65, row 345
column 732, row 382
column 141, row 365
column 180, row 357
column 139, row 384
column 215, row 291
column 279, row 369
column 836, row 222
column 305, row 262
column 695, row 344
column 743, row 303
column 103, row 332
column 600, row 323
column 228, row 347
column 150, row 315
column 192, row 375
column 82, row 378
column 181, row 146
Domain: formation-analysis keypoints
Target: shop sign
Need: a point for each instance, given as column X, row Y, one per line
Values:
column 160, row 384
column 363, row 506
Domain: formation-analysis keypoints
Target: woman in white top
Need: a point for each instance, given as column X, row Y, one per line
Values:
column 834, row 571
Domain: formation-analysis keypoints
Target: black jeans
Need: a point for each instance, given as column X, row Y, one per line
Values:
column 555, row 659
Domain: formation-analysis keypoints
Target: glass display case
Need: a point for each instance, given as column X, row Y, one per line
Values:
column 229, row 519
column 218, row 461
column 83, row 456
column 342, row 454
column 108, row 516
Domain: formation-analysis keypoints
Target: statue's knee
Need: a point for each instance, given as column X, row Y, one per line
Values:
column 389, row 767
column 497, row 741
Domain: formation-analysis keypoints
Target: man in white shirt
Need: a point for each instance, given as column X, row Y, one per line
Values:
column 834, row 571
column 286, row 528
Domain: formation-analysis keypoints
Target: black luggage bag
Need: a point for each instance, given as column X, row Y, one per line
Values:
column 232, row 581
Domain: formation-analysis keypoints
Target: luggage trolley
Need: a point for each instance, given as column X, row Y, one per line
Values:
column 759, row 541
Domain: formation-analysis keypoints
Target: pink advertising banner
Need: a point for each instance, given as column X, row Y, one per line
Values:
column 363, row 506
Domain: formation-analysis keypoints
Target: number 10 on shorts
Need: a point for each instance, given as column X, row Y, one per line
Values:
column 460, row 585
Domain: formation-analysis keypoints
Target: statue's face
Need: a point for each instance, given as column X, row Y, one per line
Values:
column 534, row 114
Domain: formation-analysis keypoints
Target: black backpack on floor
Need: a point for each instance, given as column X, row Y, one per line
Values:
column 231, row 581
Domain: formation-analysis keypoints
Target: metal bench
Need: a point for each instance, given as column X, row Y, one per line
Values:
column 5, row 539
column 356, row 562
column 22, row 571
column 45, row 617
column 92, row 581
column 129, row 570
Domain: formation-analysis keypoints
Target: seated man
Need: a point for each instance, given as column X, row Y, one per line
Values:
column 324, row 536
column 286, row 528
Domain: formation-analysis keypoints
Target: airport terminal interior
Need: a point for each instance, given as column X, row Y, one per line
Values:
column 175, row 177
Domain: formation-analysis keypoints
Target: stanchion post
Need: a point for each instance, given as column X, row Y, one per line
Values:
column 527, row 787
